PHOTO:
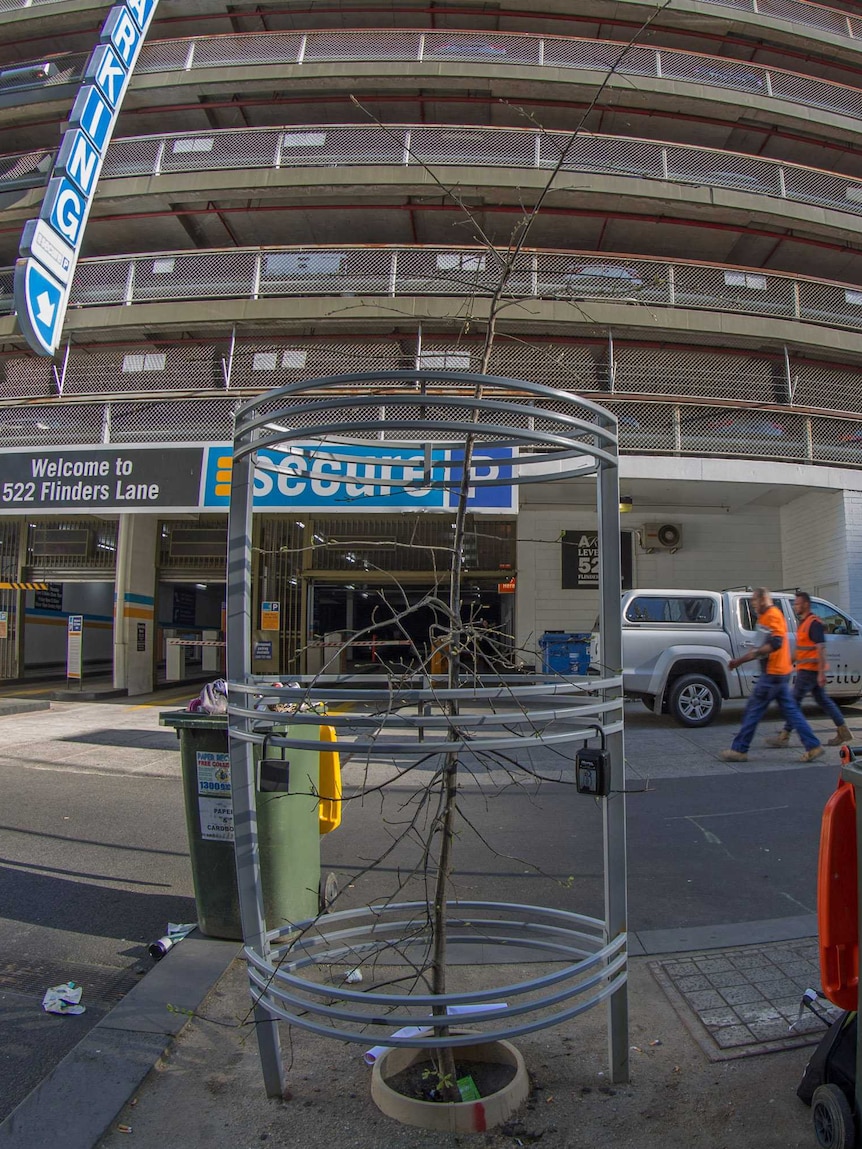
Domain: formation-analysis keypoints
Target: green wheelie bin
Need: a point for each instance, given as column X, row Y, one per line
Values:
column 289, row 824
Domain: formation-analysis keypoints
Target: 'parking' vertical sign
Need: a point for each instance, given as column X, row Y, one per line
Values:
column 50, row 245
column 75, row 646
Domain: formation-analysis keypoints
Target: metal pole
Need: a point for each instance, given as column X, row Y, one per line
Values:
column 614, row 805
column 241, row 762
column 121, row 586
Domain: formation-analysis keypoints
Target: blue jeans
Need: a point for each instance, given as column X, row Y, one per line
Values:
column 806, row 683
column 773, row 688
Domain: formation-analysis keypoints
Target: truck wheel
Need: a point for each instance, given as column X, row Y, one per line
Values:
column 694, row 700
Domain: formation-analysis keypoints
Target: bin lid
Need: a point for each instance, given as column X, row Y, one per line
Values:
column 562, row 638
column 188, row 719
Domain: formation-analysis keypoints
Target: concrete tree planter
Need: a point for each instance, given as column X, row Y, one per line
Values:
column 451, row 1116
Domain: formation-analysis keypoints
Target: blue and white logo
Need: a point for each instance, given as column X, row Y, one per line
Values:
column 323, row 476
column 50, row 245
column 46, row 305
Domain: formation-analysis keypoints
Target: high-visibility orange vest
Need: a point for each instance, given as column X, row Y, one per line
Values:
column 807, row 657
column 779, row 661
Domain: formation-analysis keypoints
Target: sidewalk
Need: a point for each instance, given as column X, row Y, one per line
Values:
column 189, row 1083
column 713, row 1062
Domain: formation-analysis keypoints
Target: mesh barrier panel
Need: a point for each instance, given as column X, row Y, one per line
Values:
column 582, row 365
column 207, row 420
column 288, row 48
column 703, row 430
column 63, row 70
column 820, row 386
column 62, row 425
column 258, row 365
column 25, row 169
column 168, row 369
column 836, row 440
column 804, row 14
column 7, row 276
column 25, row 378
column 280, row 546
column 689, row 373
column 348, row 145
column 662, row 427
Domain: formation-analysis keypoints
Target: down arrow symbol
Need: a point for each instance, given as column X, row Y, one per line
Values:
column 45, row 314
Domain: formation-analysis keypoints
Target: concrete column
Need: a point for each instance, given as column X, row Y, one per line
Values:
column 853, row 543
column 210, row 655
column 134, row 604
column 175, row 658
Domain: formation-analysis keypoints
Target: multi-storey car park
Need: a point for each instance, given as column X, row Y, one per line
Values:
column 299, row 189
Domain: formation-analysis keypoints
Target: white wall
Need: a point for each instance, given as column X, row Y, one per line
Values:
column 718, row 551
column 45, row 633
column 853, row 538
column 814, row 545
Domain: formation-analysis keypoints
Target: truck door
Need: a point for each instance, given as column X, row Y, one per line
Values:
column 746, row 636
column 843, row 650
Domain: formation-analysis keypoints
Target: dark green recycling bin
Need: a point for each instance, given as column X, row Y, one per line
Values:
column 287, row 825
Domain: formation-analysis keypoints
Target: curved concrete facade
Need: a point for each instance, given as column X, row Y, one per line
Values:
column 293, row 192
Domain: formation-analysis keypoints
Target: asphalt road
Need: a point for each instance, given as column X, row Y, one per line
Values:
column 701, row 850
column 95, row 863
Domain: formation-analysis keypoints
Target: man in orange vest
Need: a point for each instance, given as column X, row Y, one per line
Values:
column 772, row 684
column 811, row 670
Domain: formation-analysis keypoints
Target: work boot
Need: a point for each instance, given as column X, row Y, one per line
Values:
column 779, row 740
column 842, row 734
column 812, row 754
column 733, row 756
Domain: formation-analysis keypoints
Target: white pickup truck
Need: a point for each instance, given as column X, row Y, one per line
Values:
column 677, row 645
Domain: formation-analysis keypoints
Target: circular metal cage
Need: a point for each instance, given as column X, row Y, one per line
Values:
column 423, row 427
column 305, row 980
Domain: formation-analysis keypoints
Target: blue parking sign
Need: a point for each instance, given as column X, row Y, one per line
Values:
column 42, row 318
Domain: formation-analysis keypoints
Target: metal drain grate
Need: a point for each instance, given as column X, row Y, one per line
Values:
column 100, row 983
column 742, row 1001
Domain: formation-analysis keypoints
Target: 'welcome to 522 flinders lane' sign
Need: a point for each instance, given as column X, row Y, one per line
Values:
column 100, row 479
column 50, row 245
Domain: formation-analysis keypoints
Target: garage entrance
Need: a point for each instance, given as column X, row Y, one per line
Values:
column 190, row 599
column 392, row 627
column 376, row 590
column 76, row 558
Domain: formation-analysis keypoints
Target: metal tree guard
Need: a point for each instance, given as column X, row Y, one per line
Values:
column 546, row 434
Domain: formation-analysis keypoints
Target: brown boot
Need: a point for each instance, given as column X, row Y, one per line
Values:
column 733, row 756
column 842, row 734
column 779, row 740
column 813, row 754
